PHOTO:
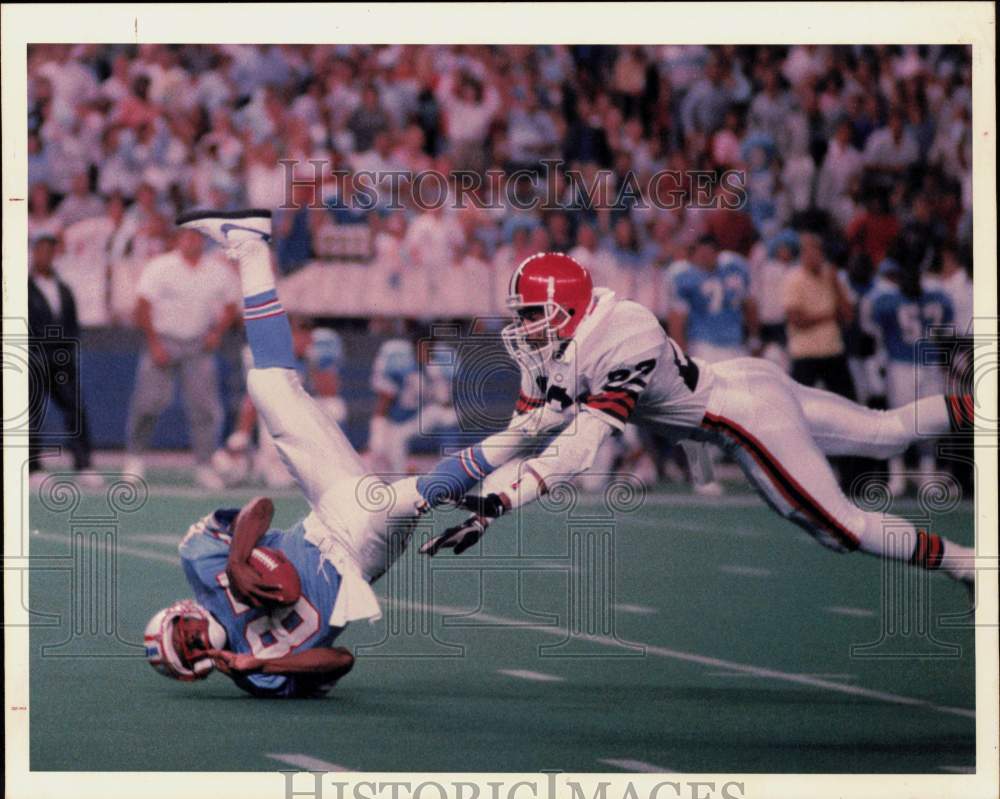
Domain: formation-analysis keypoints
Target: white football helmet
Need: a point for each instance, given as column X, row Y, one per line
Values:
column 170, row 657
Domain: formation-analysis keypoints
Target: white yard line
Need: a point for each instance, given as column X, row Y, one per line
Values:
column 745, row 571
column 719, row 663
column 534, row 676
column 802, row 674
column 307, row 762
column 641, row 766
column 638, row 610
column 656, row 651
column 856, row 613
column 958, row 769
column 124, row 549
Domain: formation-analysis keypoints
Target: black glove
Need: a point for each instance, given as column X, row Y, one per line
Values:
column 460, row 537
column 491, row 506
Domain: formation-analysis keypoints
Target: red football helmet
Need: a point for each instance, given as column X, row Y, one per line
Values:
column 551, row 294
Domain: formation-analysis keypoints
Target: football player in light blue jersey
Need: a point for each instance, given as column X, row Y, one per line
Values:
column 902, row 315
column 271, row 639
column 277, row 636
column 411, row 399
column 712, row 315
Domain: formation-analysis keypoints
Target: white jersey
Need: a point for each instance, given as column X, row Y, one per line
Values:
column 623, row 367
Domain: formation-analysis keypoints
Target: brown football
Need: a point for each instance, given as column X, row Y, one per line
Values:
column 275, row 568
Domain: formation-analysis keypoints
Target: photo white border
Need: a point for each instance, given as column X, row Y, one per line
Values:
column 501, row 23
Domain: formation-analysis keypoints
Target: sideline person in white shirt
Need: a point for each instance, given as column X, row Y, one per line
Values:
column 186, row 302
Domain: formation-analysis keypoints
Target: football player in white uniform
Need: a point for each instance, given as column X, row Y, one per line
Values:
column 591, row 362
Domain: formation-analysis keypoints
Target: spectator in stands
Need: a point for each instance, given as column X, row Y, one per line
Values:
column 79, row 204
column 891, row 150
column 186, row 303
column 589, row 252
column 469, row 109
column 53, row 352
column 293, row 229
column 41, row 220
column 842, row 165
column 367, row 120
column 874, row 228
column 816, row 306
column 921, row 236
column 705, row 105
column 729, row 223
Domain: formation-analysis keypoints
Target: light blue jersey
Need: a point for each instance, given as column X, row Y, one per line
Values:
column 397, row 374
column 326, row 350
column 265, row 634
column 903, row 321
column 713, row 300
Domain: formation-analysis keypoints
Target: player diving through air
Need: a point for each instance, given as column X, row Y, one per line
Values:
column 274, row 637
column 591, row 362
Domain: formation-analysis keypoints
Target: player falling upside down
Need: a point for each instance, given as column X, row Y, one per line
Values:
column 239, row 621
column 591, row 362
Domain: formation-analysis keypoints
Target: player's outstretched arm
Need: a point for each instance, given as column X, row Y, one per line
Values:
column 252, row 522
column 523, row 480
column 331, row 662
column 570, row 453
column 455, row 475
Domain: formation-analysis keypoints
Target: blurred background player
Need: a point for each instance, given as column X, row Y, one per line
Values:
column 913, row 324
column 319, row 353
column 713, row 317
column 413, row 397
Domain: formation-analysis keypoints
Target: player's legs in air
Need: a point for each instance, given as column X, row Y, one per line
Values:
column 315, row 451
column 318, row 455
column 781, row 434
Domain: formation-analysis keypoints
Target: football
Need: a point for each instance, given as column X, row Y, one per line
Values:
column 274, row 567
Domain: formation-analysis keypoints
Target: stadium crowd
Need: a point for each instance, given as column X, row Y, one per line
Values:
column 866, row 149
column 871, row 145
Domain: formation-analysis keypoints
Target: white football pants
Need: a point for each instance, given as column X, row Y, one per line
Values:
column 350, row 506
column 781, row 433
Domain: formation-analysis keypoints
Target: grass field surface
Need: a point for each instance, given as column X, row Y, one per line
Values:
column 684, row 635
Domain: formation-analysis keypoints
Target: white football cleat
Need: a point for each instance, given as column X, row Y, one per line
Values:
column 229, row 227
column 133, row 470
column 896, row 486
column 207, row 479
column 713, row 489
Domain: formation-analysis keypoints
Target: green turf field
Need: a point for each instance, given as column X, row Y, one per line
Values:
column 685, row 636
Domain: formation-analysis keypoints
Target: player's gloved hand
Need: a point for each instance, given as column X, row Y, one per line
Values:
column 250, row 587
column 491, row 506
column 460, row 537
